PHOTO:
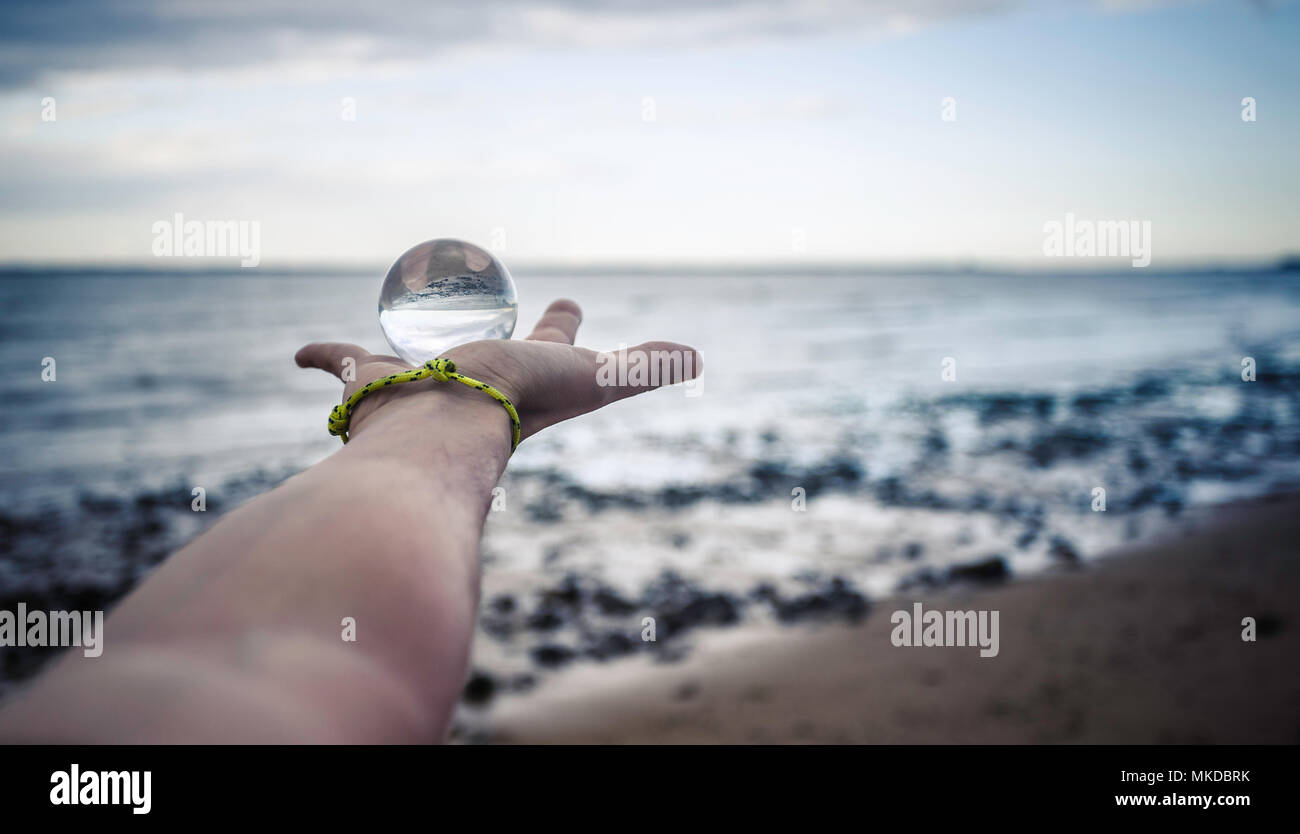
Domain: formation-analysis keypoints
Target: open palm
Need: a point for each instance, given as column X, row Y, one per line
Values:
column 545, row 376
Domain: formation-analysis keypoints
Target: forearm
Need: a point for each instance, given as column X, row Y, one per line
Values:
column 244, row 625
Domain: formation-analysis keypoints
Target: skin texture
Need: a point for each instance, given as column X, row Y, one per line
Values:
column 237, row 636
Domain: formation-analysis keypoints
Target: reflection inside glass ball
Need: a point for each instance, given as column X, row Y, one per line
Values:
column 443, row 293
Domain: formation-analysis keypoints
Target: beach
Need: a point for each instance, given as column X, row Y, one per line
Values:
column 1142, row 646
column 824, row 472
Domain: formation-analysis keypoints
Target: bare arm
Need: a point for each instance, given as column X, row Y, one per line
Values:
column 237, row 637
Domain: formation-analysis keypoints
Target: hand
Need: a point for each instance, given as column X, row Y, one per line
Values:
column 545, row 376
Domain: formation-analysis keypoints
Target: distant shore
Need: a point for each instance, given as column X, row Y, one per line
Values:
column 1143, row 646
column 378, row 264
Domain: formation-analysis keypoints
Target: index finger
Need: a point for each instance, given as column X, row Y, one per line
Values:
column 559, row 323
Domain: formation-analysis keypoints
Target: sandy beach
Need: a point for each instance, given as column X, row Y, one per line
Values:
column 1143, row 646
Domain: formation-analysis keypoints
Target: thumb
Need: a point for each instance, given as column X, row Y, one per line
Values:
column 331, row 357
column 635, row 370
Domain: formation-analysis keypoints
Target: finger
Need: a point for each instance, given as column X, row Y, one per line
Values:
column 333, row 357
column 635, row 370
column 559, row 323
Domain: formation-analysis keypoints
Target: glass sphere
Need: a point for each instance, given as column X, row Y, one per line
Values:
column 443, row 293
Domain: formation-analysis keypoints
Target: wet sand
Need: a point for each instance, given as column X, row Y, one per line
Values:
column 1144, row 646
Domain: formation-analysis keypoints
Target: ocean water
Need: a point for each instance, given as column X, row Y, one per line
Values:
column 829, row 384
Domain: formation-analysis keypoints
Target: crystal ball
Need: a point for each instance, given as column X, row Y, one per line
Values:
column 443, row 293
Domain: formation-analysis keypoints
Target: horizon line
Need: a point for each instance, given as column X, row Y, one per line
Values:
column 1078, row 266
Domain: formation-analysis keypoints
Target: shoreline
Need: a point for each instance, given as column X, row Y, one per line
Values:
column 1141, row 646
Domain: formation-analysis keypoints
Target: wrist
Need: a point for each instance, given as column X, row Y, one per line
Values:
column 441, row 429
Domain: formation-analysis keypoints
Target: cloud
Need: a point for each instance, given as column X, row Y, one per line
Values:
column 44, row 38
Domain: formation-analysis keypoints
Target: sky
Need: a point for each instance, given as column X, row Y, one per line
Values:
column 620, row 131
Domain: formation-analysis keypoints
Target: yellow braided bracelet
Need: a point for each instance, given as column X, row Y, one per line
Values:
column 439, row 369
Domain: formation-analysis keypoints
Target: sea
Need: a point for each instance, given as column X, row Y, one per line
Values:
column 853, row 434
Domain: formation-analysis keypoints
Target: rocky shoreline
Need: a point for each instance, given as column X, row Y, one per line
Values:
column 992, row 485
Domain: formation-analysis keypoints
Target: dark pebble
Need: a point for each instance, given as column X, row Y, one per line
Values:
column 610, row 603
column 551, row 655
column 479, row 689
column 545, row 619
column 837, row 600
column 611, row 644
column 991, row 569
column 1061, row 549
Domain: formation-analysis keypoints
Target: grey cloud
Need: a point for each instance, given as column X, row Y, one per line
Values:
column 46, row 37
